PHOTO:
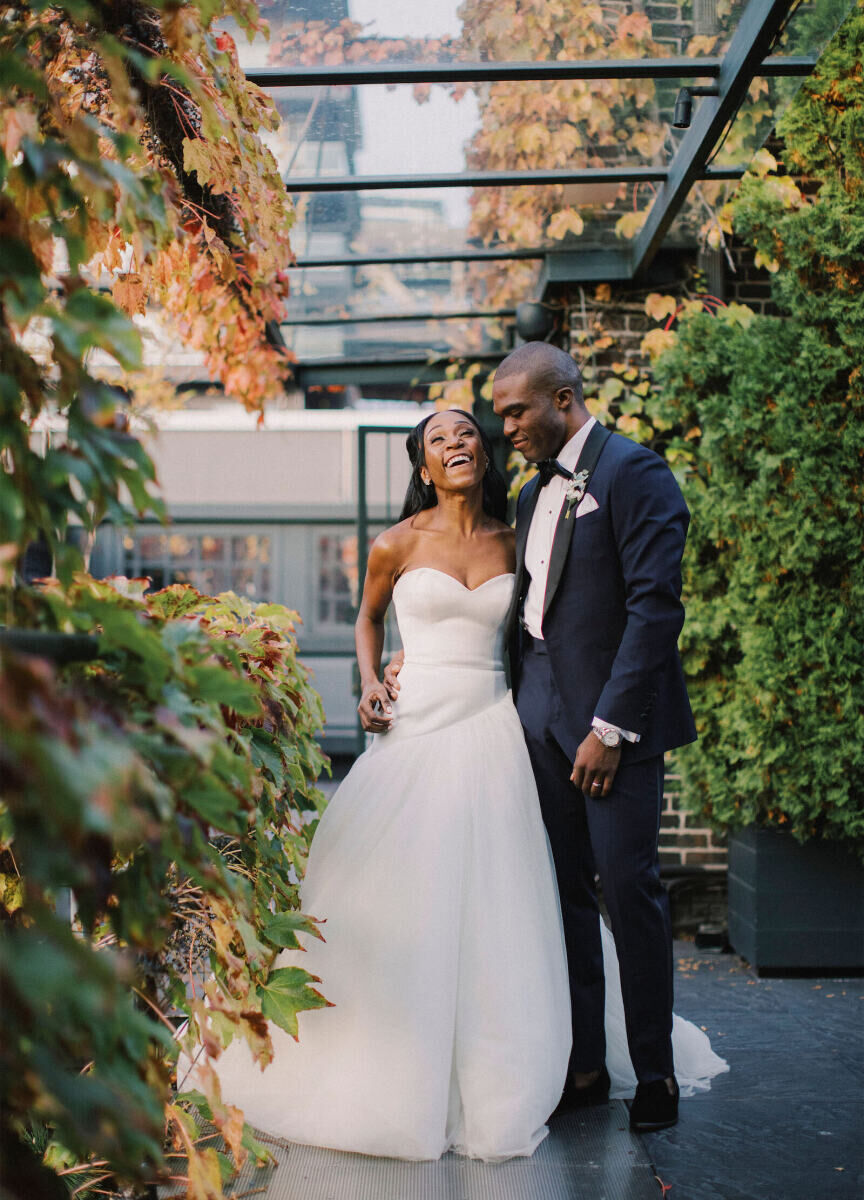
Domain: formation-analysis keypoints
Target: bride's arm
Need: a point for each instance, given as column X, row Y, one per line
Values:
column 375, row 709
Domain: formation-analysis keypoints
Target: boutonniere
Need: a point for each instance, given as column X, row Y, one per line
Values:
column 576, row 490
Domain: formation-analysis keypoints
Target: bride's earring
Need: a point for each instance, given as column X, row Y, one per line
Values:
column 487, row 462
column 426, row 479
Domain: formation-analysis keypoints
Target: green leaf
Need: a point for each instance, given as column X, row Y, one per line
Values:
column 287, row 993
column 98, row 322
column 282, row 929
column 221, row 685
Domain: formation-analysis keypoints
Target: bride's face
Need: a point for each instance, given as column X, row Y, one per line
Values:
column 455, row 458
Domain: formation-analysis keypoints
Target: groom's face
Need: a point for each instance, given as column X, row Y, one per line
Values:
column 534, row 419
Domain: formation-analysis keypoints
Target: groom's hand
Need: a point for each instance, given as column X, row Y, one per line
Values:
column 391, row 674
column 595, row 767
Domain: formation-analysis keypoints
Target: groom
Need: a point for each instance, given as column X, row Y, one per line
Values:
column 600, row 692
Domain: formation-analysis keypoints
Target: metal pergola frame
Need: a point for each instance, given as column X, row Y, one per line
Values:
column 354, row 74
column 747, row 57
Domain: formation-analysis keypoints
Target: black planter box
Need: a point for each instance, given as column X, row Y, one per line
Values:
column 795, row 907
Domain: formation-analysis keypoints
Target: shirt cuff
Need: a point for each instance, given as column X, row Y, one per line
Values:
column 625, row 733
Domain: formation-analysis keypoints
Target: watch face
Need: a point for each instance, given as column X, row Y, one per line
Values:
column 611, row 739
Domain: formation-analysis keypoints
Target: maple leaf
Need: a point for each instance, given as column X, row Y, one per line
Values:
column 762, row 162
column 658, row 307
column 130, row 294
column 532, row 138
column 656, row 341
column 701, row 44
column 630, row 224
column 286, row 993
column 566, row 221
column 634, row 25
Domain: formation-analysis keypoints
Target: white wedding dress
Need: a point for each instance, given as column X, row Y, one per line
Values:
column 444, row 953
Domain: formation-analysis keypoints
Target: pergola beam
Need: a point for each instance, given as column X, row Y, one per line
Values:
column 353, row 74
column 757, row 28
column 431, row 256
column 382, row 318
column 392, row 369
column 461, row 179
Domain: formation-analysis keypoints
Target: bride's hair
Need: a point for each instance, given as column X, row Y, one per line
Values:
column 421, row 495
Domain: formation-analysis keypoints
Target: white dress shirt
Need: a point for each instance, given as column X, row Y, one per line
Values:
column 538, row 547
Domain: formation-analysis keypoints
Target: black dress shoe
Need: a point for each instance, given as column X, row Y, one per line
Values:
column 654, row 1106
column 584, row 1097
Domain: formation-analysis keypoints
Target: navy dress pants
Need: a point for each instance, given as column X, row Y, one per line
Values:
column 616, row 839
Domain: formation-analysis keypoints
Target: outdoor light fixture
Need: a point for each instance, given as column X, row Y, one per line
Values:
column 684, row 105
column 534, row 321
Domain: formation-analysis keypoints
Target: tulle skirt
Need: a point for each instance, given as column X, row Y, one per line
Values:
column 444, row 954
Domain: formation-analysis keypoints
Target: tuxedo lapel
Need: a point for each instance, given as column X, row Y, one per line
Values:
column 558, row 557
column 591, row 451
column 523, row 524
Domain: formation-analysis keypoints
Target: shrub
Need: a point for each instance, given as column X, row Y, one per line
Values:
column 169, row 783
column 774, row 406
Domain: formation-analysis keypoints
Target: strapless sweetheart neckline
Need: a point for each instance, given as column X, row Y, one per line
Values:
column 458, row 582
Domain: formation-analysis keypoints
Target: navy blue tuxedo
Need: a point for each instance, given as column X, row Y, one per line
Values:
column 613, row 611
column 612, row 616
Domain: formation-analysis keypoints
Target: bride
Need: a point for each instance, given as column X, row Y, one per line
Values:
column 444, row 955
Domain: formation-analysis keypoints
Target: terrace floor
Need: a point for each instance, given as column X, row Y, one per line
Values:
column 784, row 1124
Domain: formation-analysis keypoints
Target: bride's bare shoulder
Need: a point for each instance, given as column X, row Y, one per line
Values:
column 505, row 537
column 391, row 549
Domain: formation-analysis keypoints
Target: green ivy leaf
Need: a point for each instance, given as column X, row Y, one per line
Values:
column 287, row 993
column 282, row 929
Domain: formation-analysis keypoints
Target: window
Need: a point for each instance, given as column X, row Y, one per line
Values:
column 336, row 571
column 227, row 560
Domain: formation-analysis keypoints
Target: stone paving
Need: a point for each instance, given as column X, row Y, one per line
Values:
column 784, row 1124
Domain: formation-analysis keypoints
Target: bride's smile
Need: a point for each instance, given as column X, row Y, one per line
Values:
column 455, row 459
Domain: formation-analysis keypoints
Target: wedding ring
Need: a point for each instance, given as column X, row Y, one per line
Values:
column 596, row 784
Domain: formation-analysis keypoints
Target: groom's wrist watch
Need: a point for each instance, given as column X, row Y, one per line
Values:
column 608, row 735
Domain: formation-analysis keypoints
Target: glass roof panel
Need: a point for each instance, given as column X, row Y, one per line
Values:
column 396, row 339
column 808, row 31
column 391, row 31
column 336, row 131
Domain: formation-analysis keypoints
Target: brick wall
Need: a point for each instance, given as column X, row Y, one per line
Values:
column 685, row 839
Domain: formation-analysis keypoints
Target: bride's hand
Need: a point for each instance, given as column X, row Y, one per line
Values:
column 375, row 709
column 391, row 671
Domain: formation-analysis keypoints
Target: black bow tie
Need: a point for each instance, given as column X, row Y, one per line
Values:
column 549, row 468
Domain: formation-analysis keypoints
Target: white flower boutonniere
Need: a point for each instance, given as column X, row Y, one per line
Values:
column 575, row 491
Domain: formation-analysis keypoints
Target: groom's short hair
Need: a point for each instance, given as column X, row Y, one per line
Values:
column 548, row 368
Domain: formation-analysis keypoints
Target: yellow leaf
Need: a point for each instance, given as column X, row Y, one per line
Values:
column 564, row 222
column 603, row 293
column 701, row 44
column 205, row 1178
column 689, row 308
column 762, row 162
column 630, row 224
column 532, row 138
column 658, row 307
column 11, row 892
column 232, row 1131
column 656, row 341
column 770, row 264
column 458, row 394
